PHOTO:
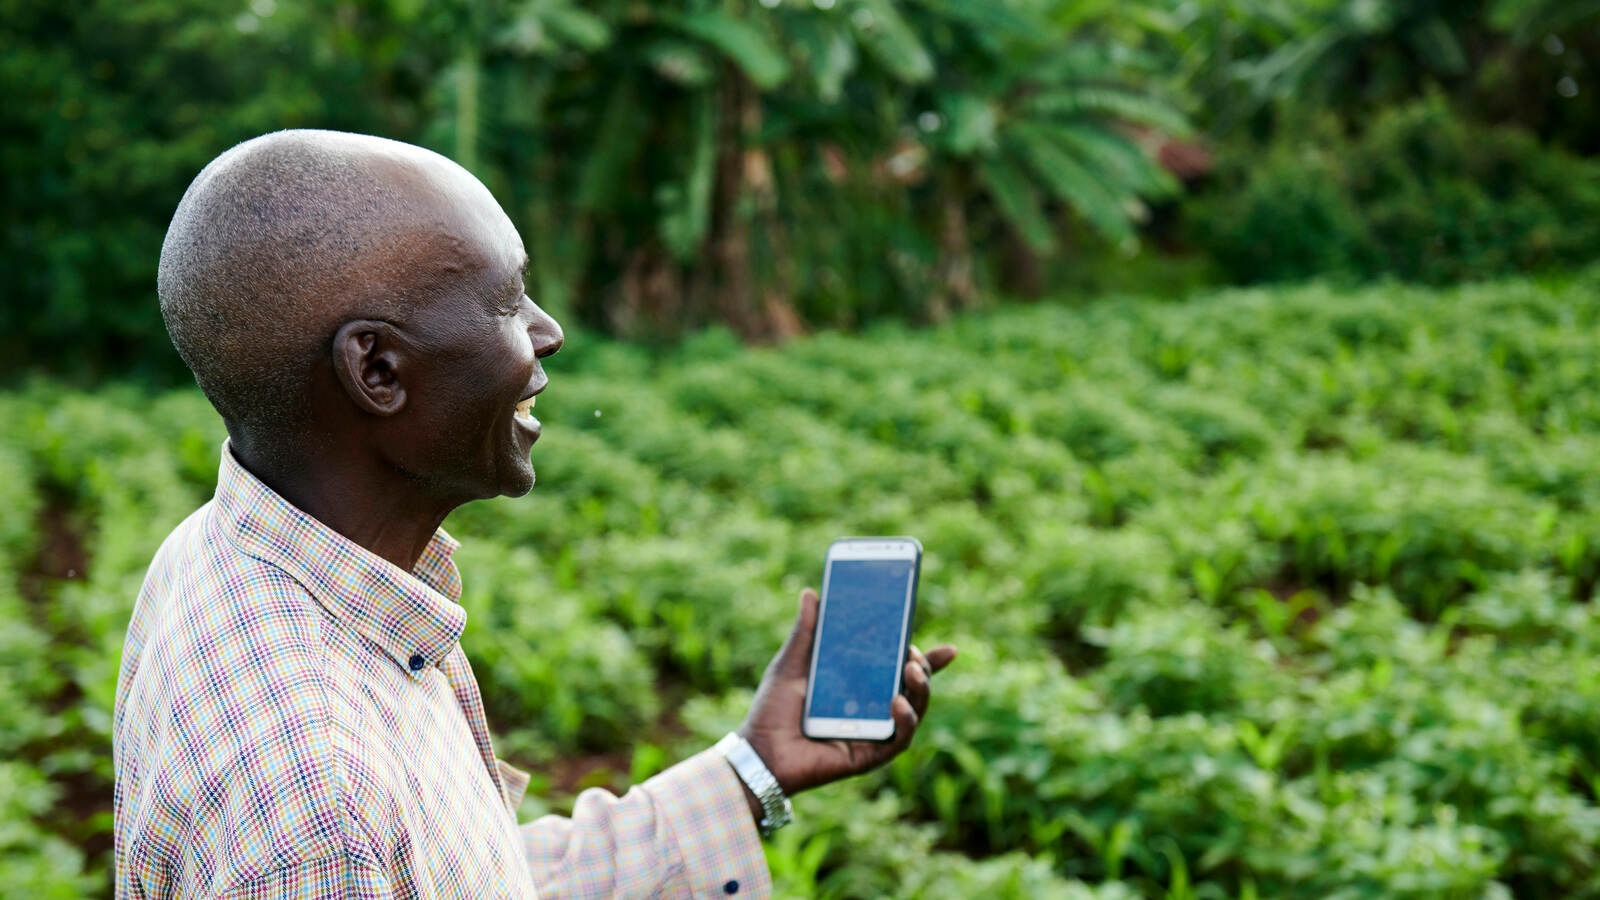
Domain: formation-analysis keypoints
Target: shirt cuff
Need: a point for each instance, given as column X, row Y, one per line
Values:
column 711, row 823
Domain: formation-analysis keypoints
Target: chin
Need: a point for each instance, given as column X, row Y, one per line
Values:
column 518, row 484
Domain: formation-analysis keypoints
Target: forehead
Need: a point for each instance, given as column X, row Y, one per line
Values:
column 463, row 230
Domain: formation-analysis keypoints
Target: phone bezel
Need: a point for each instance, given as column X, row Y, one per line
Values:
column 870, row 548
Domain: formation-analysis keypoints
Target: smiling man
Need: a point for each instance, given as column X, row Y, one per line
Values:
column 295, row 716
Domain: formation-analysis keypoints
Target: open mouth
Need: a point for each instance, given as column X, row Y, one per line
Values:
column 525, row 409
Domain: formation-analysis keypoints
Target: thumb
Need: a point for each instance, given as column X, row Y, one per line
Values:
column 794, row 660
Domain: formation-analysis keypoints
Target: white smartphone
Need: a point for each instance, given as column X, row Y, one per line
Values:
column 869, row 591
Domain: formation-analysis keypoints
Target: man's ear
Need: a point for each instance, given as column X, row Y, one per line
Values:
column 366, row 355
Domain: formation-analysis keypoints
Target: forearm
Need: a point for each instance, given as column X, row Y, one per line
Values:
column 686, row 831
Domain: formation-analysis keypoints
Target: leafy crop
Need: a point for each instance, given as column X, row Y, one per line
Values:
column 1281, row 593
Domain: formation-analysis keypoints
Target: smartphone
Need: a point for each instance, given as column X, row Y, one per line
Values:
column 869, row 591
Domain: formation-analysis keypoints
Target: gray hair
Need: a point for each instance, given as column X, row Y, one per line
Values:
column 257, row 268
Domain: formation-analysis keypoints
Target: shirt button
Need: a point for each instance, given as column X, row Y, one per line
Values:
column 731, row 887
column 417, row 662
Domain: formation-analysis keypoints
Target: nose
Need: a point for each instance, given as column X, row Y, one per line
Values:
column 545, row 332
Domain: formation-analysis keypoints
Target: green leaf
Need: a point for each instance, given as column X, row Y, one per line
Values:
column 616, row 145
column 1284, row 70
column 971, row 122
column 1530, row 20
column 1072, row 182
column 890, row 40
column 1436, row 42
column 578, row 27
column 742, row 43
column 829, row 53
column 995, row 20
column 686, row 205
column 1018, row 202
column 1117, row 156
column 679, row 61
column 1112, row 102
column 542, row 27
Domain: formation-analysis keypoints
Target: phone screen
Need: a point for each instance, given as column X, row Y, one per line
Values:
column 859, row 651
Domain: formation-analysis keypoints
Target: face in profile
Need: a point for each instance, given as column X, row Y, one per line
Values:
column 467, row 429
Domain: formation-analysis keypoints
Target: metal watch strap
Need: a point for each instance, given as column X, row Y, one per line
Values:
column 775, row 807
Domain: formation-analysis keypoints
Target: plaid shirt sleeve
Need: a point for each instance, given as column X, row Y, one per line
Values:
column 684, row 833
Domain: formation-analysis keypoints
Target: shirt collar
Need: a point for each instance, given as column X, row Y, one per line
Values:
column 415, row 617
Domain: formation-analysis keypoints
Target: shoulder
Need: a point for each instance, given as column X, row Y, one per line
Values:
column 214, row 628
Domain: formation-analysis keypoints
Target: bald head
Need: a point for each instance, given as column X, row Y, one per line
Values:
column 283, row 238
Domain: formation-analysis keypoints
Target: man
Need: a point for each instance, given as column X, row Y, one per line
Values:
column 295, row 716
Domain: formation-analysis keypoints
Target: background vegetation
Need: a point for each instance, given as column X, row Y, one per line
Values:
column 1281, row 593
column 1284, row 591
column 774, row 165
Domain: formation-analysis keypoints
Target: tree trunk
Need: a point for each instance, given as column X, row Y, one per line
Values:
column 727, row 284
column 954, row 285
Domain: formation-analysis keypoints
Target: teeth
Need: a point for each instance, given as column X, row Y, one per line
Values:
column 525, row 408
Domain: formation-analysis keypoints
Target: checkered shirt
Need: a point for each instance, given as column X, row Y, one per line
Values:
column 295, row 718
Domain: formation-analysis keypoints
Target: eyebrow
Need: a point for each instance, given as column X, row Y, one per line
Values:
column 520, row 283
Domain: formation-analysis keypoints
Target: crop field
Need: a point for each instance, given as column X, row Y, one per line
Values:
column 1273, row 593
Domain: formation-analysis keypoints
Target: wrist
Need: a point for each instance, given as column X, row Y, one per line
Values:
column 768, row 803
column 757, row 813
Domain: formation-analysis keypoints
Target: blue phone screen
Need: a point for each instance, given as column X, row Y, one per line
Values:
column 859, row 655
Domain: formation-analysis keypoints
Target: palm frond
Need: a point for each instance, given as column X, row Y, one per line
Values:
column 1116, row 155
column 741, row 42
column 890, row 40
column 1110, row 101
column 1018, row 202
column 1079, row 186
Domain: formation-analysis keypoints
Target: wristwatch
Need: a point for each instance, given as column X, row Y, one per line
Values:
column 775, row 807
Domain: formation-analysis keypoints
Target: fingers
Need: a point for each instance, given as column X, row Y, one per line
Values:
column 905, row 726
column 918, row 685
column 909, row 707
column 916, row 656
column 795, row 657
column 934, row 659
column 941, row 656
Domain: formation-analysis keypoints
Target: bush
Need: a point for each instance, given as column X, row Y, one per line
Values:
column 1286, row 215
column 34, row 863
column 1419, row 194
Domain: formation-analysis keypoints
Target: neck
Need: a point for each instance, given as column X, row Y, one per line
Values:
column 350, row 490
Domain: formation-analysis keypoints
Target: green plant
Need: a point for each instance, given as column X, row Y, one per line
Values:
column 1418, row 193
column 1294, row 600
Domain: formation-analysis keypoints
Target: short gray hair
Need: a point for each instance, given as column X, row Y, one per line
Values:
column 254, row 271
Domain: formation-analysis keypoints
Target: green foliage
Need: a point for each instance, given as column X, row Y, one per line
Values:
column 34, row 862
column 1420, row 194
column 1262, row 67
column 669, row 164
column 1278, row 593
column 112, row 108
column 568, row 678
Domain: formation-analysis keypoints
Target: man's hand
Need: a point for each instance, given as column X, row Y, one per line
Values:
column 773, row 725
